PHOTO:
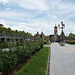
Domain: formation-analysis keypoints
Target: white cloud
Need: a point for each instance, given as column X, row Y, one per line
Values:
column 67, row 8
column 4, row 23
column 4, row 1
column 29, row 27
column 42, row 15
column 60, row 7
column 70, row 27
column 32, row 4
column 73, row 7
column 22, row 27
column 7, row 8
column 13, row 15
column 54, row 17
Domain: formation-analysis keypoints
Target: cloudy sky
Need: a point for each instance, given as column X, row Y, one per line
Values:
column 38, row 15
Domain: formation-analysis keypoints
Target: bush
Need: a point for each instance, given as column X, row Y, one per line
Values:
column 70, row 42
column 9, row 59
column 4, row 45
column 9, row 45
column 1, row 66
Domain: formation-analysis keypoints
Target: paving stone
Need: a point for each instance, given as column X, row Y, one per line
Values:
column 62, row 59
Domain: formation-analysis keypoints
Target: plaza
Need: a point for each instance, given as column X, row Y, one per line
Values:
column 62, row 59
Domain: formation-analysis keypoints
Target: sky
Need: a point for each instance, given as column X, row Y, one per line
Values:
column 38, row 15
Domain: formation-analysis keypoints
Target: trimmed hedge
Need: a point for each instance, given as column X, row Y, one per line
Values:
column 9, row 59
column 70, row 42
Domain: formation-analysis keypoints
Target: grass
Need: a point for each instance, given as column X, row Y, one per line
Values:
column 37, row 65
column 48, row 43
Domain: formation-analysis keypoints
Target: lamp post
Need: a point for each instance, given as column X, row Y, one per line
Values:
column 62, row 43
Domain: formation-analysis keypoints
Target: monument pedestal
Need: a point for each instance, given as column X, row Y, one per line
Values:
column 62, row 43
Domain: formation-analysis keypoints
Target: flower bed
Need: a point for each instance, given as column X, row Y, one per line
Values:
column 9, row 59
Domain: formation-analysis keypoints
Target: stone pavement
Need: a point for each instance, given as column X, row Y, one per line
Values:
column 62, row 60
column 46, row 45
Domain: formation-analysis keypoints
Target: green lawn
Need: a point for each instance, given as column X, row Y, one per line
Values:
column 48, row 43
column 37, row 65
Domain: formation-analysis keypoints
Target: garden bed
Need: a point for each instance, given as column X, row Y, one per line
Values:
column 10, row 59
column 19, row 66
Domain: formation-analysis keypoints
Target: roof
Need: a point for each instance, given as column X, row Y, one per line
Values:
column 55, row 26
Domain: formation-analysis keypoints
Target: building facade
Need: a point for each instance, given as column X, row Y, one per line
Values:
column 40, row 35
column 54, row 37
column 55, row 30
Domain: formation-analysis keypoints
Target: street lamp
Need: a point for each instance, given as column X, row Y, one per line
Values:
column 62, row 43
column 62, row 26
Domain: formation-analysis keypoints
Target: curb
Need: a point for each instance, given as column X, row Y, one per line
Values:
column 48, row 65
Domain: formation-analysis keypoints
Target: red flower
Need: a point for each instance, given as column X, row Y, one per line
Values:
column 27, row 50
column 9, row 57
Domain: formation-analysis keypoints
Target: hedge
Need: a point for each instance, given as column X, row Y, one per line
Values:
column 70, row 42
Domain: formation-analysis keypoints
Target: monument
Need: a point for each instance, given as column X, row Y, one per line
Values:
column 54, row 37
column 55, row 30
column 62, row 42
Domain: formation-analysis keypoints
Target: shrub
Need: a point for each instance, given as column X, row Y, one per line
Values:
column 18, row 43
column 1, row 66
column 9, row 45
column 9, row 59
column 70, row 42
column 4, row 45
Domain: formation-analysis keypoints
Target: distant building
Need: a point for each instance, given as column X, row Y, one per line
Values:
column 1, row 25
column 42, row 35
column 37, row 34
column 71, row 34
column 47, row 37
column 55, row 30
column 54, row 37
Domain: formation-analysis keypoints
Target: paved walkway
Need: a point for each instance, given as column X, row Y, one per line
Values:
column 46, row 45
column 62, row 60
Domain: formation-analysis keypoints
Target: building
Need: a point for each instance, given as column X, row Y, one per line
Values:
column 71, row 34
column 47, row 37
column 37, row 34
column 40, row 35
column 55, row 30
column 54, row 37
